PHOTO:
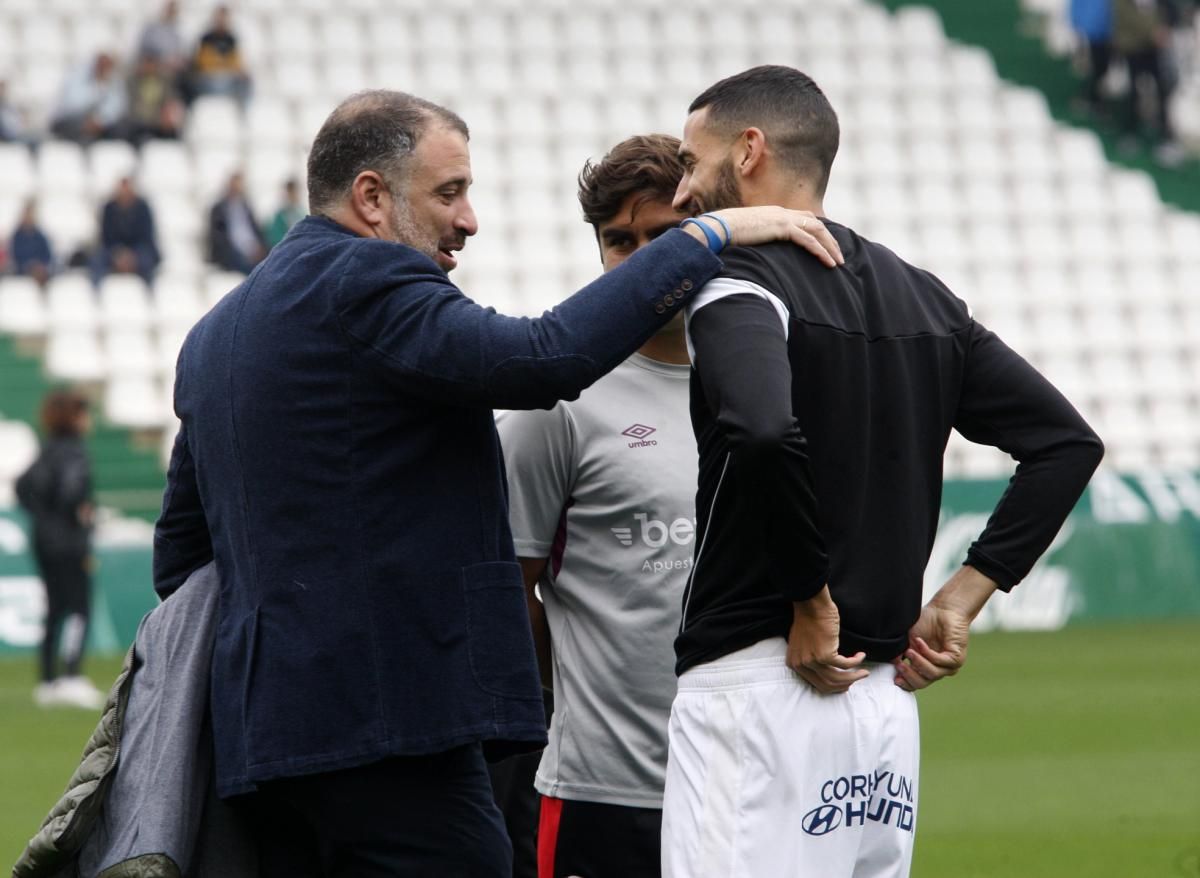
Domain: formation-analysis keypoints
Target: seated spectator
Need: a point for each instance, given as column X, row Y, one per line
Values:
column 127, row 241
column 30, row 248
column 235, row 241
column 156, row 108
column 160, row 39
column 287, row 216
column 93, row 103
column 13, row 128
column 217, row 66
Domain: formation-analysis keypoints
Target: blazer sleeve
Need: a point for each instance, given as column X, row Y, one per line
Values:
column 182, row 543
column 433, row 341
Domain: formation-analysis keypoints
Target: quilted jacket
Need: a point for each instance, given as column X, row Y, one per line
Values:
column 142, row 802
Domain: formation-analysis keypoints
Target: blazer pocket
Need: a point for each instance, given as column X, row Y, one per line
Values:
column 499, row 639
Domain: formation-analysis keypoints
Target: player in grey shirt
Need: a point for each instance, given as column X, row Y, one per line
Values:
column 602, row 507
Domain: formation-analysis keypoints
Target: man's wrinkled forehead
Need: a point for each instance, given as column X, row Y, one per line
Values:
column 443, row 152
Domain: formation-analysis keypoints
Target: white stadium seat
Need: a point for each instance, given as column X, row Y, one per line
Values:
column 71, row 303
column 22, row 308
column 75, row 355
column 124, row 302
column 135, row 402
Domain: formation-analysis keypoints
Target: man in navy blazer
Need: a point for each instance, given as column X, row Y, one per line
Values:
column 337, row 457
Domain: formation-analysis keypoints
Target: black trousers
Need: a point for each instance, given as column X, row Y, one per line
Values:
column 68, row 610
column 594, row 840
column 1099, row 59
column 403, row 816
column 1148, row 65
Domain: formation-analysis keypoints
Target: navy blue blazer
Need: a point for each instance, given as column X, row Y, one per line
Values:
column 338, row 457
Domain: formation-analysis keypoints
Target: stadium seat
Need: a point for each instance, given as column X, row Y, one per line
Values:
column 18, row 449
column 61, row 168
column 22, row 309
column 166, row 166
column 214, row 123
column 135, row 402
column 16, row 170
column 71, row 303
column 74, row 354
column 108, row 162
column 124, row 302
column 129, row 353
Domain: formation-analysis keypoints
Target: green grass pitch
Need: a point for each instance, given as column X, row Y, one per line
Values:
column 1052, row 755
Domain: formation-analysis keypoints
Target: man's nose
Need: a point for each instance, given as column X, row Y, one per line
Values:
column 466, row 222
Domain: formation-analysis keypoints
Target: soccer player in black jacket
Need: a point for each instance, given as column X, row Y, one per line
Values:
column 822, row 402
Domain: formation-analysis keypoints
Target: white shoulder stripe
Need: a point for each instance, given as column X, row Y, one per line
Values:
column 718, row 289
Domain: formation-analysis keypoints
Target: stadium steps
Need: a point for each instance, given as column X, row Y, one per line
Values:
column 1013, row 38
column 126, row 468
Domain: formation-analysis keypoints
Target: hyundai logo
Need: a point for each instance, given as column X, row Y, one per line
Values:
column 822, row 820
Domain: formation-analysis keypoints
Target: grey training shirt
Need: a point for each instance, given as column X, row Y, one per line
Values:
column 605, row 488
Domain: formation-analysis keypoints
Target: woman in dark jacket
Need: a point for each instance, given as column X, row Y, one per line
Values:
column 56, row 491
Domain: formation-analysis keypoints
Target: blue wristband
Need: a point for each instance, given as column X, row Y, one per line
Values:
column 715, row 244
column 724, row 225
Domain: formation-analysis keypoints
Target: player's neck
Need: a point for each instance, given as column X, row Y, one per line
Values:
column 790, row 196
column 667, row 347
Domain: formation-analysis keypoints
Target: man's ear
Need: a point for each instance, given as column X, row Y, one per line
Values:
column 368, row 198
column 751, row 151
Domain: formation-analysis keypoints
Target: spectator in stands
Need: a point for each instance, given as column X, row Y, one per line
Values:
column 161, row 40
column 217, row 66
column 56, row 491
column 290, row 213
column 1092, row 20
column 235, row 242
column 93, row 103
column 13, row 128
column 30, row 248
column 1141, row 35
column 156, row 107
column 127, row 240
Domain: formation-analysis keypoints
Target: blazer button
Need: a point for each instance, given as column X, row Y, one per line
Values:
column 660, row 308
column 685, row 285
column 669, row 300
column 679, row 294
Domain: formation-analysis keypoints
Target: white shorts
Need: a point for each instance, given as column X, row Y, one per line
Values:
column 766, row 777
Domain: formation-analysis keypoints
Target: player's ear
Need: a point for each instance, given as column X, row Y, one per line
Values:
column 751, row 151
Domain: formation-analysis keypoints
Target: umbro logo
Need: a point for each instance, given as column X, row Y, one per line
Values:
column 640, row 432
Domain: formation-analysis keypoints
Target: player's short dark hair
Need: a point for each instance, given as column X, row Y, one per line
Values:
column 646, row 165
column 61, row 412
column 788, row 106
column 370, row 131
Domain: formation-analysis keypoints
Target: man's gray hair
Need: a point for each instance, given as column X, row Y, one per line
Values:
column 370, row 131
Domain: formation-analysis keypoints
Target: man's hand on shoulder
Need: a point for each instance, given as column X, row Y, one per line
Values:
column 813, row 646
column 937, row 644
column 762, row 225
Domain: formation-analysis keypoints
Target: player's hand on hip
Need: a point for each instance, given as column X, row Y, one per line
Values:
column 813, row 647
column 937, row 643
column 937, row 648
column 762, row 225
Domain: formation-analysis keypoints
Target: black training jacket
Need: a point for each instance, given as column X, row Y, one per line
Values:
column 821, row 453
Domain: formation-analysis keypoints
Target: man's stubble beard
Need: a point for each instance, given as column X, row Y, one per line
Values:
column 406, row 231
column 725, row 192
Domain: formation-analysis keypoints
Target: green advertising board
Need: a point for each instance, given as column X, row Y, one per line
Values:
column 122, row 591
column 1130, row 550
